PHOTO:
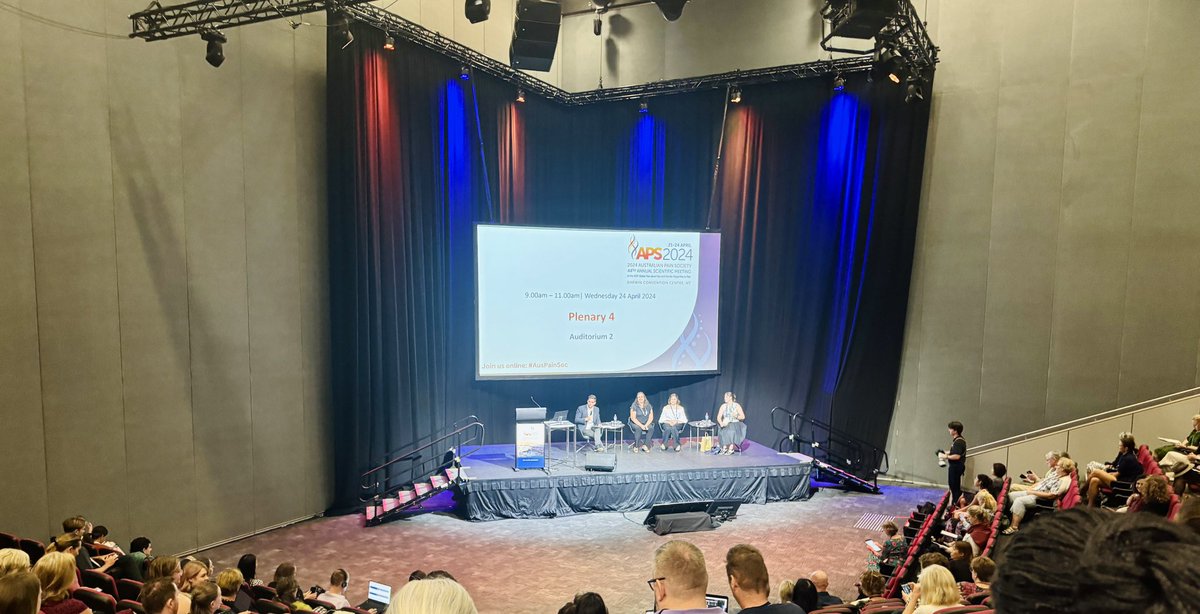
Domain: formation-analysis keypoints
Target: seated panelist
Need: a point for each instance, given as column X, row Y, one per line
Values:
column 587, row 420
column 731, row 418
column 671, row 421
column 641, row 421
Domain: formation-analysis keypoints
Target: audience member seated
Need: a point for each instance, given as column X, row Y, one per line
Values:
column 73, row 544
column 750, row 584
column 960, row 561
column 982, row 571
column 283, row 570
column 785, row 591
column 983, row 498
column 100, row 538
column 935, row 590
column 680, row 579
column 820, row 580
column 79, row 527
column 335, row 595
column 979, row 529
column 1085, row 560
column 132, row 566
column 1188, row 445
column 999, row 472
column 585, row 603
column 56, row 571
column 248, row 565
column 929, row 559
column 233, row 598
column 290, row 594
column 871, row 584
column 206, row 598
column 160, row 597
column 13, row 561
column 440, row 573
column 804, row 594
column 1050, row 488
column 417, row 574
column 1181, row 466
column 1124, row 468
column 434, row 596
column 1030, row 480
column 1189, row 514
column 20, row 593
column 891, row 552
column 168, row 567
column 192, row 573
column 1153, row 495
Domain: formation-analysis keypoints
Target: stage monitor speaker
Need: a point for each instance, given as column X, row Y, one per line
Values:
column 660, row 509
column 599, row 461
column 685, row 522
column 535, row 34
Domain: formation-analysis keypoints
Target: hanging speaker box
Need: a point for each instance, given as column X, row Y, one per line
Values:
column 535, row 34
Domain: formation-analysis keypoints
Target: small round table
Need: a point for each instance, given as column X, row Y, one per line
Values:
column 699, row 428
column 612, row 433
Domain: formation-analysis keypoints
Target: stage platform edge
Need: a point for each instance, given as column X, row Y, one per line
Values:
column 640, row 481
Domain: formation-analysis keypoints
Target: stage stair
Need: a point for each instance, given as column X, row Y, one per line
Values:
column 839, row 457
column 414, row 474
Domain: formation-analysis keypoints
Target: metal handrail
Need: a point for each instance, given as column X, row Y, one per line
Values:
column 880, row 464
column 378, row 486
column 1104, row 415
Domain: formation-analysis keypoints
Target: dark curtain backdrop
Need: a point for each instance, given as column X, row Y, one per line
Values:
column 816, row 200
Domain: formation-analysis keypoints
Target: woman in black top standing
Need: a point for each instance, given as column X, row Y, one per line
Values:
column 956, row 459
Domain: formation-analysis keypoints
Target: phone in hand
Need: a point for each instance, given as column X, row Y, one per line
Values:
column 906, row 589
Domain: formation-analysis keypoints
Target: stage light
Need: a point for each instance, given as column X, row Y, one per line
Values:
column 215, row 53
column 671, row 9
column 520, row 95
column 341, row 30
column 839, row 83
column 478, row 10
column 464, row 73
column 735, row 94
column 389, row 43
column 915, row 90
column 643, row 107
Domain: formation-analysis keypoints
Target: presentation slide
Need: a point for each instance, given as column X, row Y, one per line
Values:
column 569, row 302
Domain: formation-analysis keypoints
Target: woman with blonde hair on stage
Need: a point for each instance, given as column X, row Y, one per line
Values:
column 731, row 417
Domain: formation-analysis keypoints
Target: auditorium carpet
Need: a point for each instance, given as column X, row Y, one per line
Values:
column 518, row 566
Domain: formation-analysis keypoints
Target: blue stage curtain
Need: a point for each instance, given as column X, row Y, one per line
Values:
column 816, row 198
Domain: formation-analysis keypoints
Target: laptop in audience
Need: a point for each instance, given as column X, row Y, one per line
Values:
column 711, row 601
column 378, row 597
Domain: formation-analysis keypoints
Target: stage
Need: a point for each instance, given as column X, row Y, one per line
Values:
column 495, row 490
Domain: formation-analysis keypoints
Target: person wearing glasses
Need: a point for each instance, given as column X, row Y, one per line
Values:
column 680, row 580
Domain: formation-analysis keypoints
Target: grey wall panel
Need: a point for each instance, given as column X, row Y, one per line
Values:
column 215, row 230
column 1020, row 291
column 1109, row 39
column 22, row 510
column 71, row 187
column 1036, row 41
column 1093, row 247
column 313, row 266
column 153, row 290
column 970, row 44
column 272, row 245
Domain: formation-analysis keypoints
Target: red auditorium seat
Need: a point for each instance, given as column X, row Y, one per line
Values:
column 129, row 589
column 99, row 603
column 1146, row 458
column 262, row 591
column 267, row 606
column 834, row 609
column 1071, row 498
column 979, row 598
column 131, row 605
column 963, row 609
column 8, row 541
column 34, row 548
column 101, row 582
column 1175, row 505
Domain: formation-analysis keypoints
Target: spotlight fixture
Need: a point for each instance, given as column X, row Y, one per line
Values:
column 215, row 54
column 464, row 73
column 341, row 30
column 839, row 83
column 643, row 106
column 478, row 10
column 735, row 94
column 892, row 64
column 915, row 90
column 671, row 9
column 520, row 95
column 389, row 43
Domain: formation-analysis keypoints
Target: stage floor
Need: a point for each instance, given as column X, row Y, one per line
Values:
column 495, row 490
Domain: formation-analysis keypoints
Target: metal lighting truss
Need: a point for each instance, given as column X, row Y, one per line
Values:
column 159, row 23
column 905, row 32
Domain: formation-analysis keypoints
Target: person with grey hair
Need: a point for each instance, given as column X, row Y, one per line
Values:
column 680, row 580
column 1030, row 480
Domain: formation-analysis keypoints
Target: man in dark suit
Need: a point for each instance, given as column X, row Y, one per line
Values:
column 587, row 419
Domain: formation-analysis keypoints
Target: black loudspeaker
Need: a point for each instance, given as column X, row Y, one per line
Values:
column 599, row 461
column 535, row 34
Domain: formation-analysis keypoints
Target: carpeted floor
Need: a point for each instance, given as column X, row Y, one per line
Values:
column 519, row 566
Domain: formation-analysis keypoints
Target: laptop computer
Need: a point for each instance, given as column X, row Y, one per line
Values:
column 711, row 601
column 559, row 416
column 378, row 597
